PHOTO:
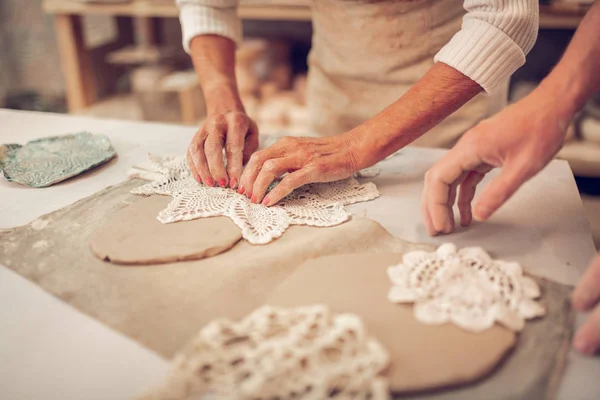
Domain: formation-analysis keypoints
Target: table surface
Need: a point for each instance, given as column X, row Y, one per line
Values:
column 50, row 350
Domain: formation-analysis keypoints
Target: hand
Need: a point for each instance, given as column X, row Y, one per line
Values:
column 521, row 139
column 306, row 159
column 226, row 128
column 585, row 298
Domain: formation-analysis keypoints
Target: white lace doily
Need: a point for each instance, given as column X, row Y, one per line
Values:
column 303, row 353
column 318, row 204
column 466, row 287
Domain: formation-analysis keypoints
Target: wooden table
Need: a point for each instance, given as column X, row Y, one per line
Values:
column 81, row 65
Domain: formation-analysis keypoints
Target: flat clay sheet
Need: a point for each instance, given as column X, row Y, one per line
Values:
column 163, row 306
column 426, row 358
column 133, row 235
column 423, row 356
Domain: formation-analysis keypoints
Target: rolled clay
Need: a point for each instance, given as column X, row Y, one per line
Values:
column 424, row 357
column 133, row 235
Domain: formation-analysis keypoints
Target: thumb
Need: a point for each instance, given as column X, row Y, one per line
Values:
column 500, row 189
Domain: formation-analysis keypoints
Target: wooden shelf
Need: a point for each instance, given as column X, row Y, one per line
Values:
column 149, row 8
column 551, row 17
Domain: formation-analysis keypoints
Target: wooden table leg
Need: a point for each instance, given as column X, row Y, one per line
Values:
column 76, row 64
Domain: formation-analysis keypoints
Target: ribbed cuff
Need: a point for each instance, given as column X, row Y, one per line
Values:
column 482, row 52
column 202, row 20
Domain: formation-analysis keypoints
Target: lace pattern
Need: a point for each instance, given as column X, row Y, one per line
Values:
column 319, row 204
column 466, row 287
column 274, row 353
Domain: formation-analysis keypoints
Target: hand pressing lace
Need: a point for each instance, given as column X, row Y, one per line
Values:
column 318, row 204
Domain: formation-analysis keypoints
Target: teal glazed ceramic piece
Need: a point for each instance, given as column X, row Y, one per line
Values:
column 46, row 161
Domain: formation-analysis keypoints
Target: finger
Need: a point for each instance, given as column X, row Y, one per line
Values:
column 251, row 142
column 501, row 188
column 271, row 170
column 587, row 338
column 198, row 157
column 288, row 184
column 439, row 205
column 587, row 293
column 427, row 219
column 467, row 192
column 234, row 147
column 254, row 166
column 192, row 167
column 441, row 181
column 213, row 148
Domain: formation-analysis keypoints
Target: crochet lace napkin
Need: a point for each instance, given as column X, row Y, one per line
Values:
column 466, row 287
column 318, row 204
column 275, row 353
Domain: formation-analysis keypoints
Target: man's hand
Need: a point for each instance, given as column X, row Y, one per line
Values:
column 586, row 297
column 305, row 159
column 521, row 139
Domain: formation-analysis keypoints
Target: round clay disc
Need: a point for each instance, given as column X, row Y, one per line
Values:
column 424, row 357
column 133, row 235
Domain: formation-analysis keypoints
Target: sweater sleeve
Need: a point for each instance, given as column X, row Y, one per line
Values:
column 204, row 17
column 495, row 37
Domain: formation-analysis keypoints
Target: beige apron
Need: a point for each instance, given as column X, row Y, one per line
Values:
column 366, row 54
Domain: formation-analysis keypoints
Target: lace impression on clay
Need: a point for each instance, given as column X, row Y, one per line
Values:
column 274, row 353
column 466, row 287
column 319, row 204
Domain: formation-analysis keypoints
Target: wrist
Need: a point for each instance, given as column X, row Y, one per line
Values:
column 562, row 93
column 222, row 98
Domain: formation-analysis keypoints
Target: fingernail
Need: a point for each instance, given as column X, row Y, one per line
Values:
column 241, row 190
column 253, row 199
column 222, row 182
column 249, row 195
column 266, row 201
column 232, row 183
column 209, row 182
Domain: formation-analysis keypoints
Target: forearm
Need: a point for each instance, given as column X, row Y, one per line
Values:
column 440, row 92
column 577, row 76
column 214, row 61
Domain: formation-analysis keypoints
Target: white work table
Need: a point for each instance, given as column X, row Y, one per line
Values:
column 50, row 350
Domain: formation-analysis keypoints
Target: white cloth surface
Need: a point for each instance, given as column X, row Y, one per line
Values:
column 542, row 227
column 495, row 37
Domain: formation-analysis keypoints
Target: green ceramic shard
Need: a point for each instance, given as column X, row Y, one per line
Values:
column 46, row 161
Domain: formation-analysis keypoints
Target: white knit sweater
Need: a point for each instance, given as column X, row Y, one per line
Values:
column 492, row 43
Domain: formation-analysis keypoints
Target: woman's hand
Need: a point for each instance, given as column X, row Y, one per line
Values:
column 521, row 139
column 586, row 297
column 228, row 128
column 306, row 159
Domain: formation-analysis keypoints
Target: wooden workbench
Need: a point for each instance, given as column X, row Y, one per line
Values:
column 81, row 65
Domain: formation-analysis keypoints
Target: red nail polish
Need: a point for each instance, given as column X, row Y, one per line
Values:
column 266, row 201
column 222, row 182
column 209, row 182
column 253, row 199
column 241, row 190
column 249, row 195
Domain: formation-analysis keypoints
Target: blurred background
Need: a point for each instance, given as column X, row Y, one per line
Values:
column 123, row 59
